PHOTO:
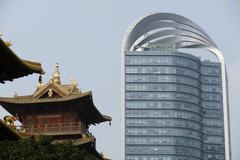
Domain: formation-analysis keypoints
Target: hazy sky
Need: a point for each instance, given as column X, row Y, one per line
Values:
column 85, row 38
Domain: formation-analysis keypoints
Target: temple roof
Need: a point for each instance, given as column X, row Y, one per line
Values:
column 11, row 66
column 55, row 96
column 32, row 100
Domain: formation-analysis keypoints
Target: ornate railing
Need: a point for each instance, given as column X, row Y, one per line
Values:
column 76, row 127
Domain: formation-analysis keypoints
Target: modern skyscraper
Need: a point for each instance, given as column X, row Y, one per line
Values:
column 174, row 106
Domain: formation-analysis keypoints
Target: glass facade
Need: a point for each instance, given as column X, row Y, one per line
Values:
column 173, row 107
column 212, row 111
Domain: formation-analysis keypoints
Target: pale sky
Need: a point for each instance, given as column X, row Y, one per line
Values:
column 85, row 38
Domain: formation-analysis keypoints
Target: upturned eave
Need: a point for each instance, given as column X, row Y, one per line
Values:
column 12, row 67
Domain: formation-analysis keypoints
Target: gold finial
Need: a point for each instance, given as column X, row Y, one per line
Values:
column 57, row 69
column 57, row 74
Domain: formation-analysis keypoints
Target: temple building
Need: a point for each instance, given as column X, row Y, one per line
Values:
column 62, row 111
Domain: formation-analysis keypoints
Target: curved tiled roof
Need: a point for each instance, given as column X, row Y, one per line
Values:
column 11, row 66
column 31, row 100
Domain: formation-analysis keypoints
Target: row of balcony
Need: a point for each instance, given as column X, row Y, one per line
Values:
column 53, row 128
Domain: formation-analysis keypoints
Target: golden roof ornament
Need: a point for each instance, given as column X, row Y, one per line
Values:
column 74, row 86
column 56, row 77
column 8, row 43
column 50, row 93
column 38, row 85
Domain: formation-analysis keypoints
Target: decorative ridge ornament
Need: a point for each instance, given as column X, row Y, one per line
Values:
column 50, row 93
column 8, row 43
column 74, row 86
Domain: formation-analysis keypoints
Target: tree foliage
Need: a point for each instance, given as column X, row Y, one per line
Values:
column 42, row 149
